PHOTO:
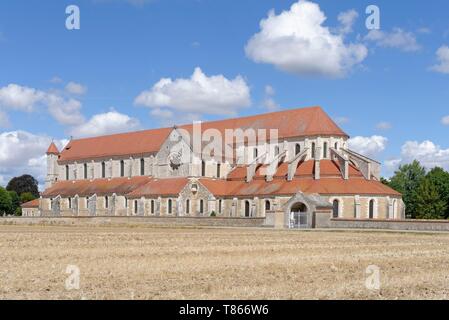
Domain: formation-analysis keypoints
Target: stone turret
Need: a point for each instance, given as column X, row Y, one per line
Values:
column 52, row 165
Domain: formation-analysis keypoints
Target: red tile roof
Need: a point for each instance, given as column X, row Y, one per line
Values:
column 289, row 123
column 31, row 204
column 52, row 149
column 337, row 186
column 160, row 187
column 120, row 186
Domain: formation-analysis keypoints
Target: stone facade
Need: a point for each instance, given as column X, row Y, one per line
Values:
column 326, row 156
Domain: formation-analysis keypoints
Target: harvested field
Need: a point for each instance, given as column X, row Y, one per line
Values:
column 213, row 263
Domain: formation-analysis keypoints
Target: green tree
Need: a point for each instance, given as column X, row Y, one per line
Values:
column 440, row 179
column 25, row 183
column 5, row 202
column 429, row 204
column 26, row 196
column 15, row 202
column 407, row 180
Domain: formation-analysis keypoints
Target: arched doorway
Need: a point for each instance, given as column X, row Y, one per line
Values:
column 247, row 209
column 298, row 215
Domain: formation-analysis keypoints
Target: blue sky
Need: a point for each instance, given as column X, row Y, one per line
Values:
column 390, row 99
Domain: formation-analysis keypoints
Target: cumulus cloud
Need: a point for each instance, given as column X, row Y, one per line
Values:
column 75, row 88
column 347, row 20
column 105, row 123
column 383, row 125
column 426, row 152
column 443, row 60
column 22, row 152
column 268, row 101
column 368, row 146
column 65, row 111
column 21, row 98
column 198, row 94
column 397, row 39
column 445, row 120
column 296, row 41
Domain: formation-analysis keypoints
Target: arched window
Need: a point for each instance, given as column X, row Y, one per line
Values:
column 126, row 202
column 371, row 209
column 297, row 149
column 335, row 208
column 267, row 205
column 218, row 170
column 70, row 203
column 122, row 168
column 220, row 203
column 313, row 150
column 170, row 205
column 85, row 170
column 247, row 209
column 152, row 206
column 201, row 206
column 67, row 172
column 255, row 153
column 188, row 206
column 276, row 150
column 325, row 150
column 103, row 170
column 135, row 206
column 142, row 167
column 106, row 202
column 336, row 145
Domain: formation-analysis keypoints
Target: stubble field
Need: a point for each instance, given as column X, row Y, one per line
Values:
column 212, row 263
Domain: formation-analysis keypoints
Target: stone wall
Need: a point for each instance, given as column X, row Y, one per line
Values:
column 418, row 225
column 129, row 221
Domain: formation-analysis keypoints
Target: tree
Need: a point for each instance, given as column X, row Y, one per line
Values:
column 440, row 179
column 25, row 183
column 5, row 202
column 407, row 180
column 15, row 202
column 429, row 204
column 26, row 196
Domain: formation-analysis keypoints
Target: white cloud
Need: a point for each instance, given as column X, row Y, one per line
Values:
column 269, row 90
column 22, row 152
column 445, row 120
column 443, row 60
column 368, row 146
column 268, row 101
column 75, row 88
column 397, row 38
column 296, row 41
column 384, row 125
column 427, row 153
column 105, row 123
column 347, row 20
column 21, row 98
column 199, row 94
column 66, row 112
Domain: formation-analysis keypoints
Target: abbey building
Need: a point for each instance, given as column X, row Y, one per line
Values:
column 292, row 163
